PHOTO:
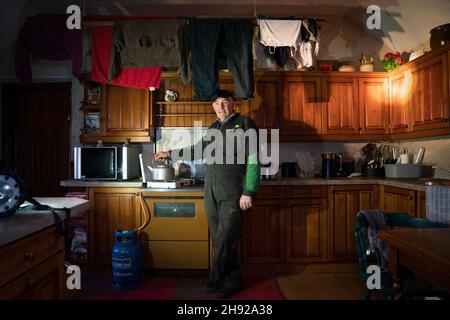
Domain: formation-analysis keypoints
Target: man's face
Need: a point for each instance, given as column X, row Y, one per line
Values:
column 223, row 107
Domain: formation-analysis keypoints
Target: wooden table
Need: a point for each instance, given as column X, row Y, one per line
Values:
column 423, row 251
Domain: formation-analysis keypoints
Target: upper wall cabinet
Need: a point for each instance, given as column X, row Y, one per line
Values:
column 399, row 102
column 302, row 106
column 125, row 112
column 374, row 105
column 265, row 108
column 340, row 111
column 429, row 93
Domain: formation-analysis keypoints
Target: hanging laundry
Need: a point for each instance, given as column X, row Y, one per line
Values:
column 279, row 33
column 303, row 55
column 47, row 39
column 149, row 43
column 144, row 78
column 290, row 36
column 310, row 32
column 280, row 54
column 230, row 39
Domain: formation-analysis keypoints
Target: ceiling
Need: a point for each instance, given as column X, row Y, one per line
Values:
column 317, row 8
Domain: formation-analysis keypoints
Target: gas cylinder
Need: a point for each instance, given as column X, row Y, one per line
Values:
column 126, row 260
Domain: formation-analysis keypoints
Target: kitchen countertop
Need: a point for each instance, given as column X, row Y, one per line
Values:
column 413, row 184
column 25, row 222
column 137, row 183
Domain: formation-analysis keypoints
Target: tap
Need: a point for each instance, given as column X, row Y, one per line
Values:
column 442, row 169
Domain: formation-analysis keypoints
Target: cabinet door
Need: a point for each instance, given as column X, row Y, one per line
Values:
column 110, row 209
column 306, row 230
column 340, row 110
column 421, row 205
column 265, row 108
column 263, row 239
column 345, row 203
column 400, row 104
column 301, row 107
column 398, row 200
column 373, row 105
column 429, row 94
column 125, row 112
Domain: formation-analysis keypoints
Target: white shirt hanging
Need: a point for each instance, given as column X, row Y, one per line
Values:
column 279, row 33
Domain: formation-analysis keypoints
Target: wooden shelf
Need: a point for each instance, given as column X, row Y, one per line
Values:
column 189, row 102
column 184, row 102
column 186, row 115
column 90, row 107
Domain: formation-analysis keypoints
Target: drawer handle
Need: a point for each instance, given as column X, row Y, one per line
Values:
column 30, row 282
column 30, row 255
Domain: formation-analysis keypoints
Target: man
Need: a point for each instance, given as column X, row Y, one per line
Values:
column 229, row 187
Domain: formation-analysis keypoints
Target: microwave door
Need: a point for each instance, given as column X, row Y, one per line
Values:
column 96, row 163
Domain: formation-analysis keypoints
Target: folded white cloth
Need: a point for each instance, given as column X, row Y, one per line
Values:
column 438, row 204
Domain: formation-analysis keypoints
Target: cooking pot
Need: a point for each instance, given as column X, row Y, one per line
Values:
column 162, row 171
column 440, row 36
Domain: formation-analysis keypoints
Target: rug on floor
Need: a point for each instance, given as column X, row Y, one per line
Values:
column 322, row 286
column 101, row 288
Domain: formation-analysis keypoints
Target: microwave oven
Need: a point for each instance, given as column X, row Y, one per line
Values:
column 106, row 162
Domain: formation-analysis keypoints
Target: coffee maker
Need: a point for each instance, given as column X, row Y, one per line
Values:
column 331, row 164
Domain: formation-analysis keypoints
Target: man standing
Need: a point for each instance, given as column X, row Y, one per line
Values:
column 231, row 181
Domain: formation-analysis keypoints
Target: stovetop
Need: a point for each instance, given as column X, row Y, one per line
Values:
column 174, row 184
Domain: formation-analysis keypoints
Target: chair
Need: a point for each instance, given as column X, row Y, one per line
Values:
column 392, row 219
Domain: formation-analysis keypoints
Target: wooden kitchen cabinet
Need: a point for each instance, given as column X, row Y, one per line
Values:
column 125, row 112
column 33, row 267
column 265, row 107
column 110, row 209
column 340, row 111
column 421, row 205
column 399, row 102
column 430, row 93
column 263, row 239
column 374, row 105
column 302, row 106
column 393, row 199
column 306, row 225
column 344, row 203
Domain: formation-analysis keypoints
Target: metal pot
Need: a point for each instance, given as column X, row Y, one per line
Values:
column 162, row 171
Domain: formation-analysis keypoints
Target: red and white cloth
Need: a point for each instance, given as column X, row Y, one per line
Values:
column 143, row 78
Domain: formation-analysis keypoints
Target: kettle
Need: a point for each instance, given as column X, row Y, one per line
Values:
column 162, row 171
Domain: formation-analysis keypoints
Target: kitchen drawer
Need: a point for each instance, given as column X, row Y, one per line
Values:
column 307, row 191
column 176, row 254
column 44, row 281
column 270, row 192
column 27, row 253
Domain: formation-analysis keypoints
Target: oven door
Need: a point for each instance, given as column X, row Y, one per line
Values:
column 177, row 235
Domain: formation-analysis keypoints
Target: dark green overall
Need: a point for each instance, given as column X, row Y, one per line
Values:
column 225, row 183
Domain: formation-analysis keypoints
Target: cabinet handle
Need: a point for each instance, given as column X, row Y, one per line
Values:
column 30, row 255
column 30, row 282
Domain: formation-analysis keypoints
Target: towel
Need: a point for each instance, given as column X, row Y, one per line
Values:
column 438, row 204
column 377, row 220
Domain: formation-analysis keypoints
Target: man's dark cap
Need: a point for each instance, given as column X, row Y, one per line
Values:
column 221, row 94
